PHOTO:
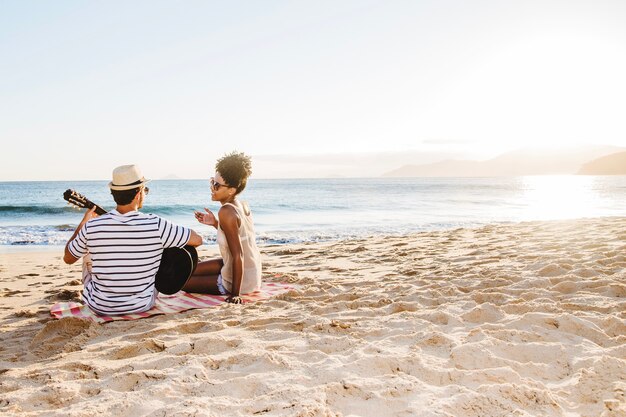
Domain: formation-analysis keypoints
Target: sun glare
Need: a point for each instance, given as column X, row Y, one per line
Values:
column 559, row 197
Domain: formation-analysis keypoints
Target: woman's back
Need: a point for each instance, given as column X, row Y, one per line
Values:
column 251, row 256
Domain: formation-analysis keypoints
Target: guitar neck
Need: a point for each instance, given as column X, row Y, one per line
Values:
column 99, row 210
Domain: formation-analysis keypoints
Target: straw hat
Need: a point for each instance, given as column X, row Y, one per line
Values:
column 127, row 177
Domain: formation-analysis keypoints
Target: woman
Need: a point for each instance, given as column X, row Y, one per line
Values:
column 239, row 270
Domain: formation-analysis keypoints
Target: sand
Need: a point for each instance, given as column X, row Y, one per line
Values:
column 504, row 320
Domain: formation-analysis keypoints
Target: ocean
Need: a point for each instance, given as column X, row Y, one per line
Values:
column 33, row 214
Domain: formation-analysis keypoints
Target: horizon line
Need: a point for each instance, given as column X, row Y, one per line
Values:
column 342, row 178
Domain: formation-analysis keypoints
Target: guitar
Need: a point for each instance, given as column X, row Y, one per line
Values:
column 177, row 264
column 77, row 199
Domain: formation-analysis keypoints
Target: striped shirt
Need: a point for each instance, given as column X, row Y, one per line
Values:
column 126, row 252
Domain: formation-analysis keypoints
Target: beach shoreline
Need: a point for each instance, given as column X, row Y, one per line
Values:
column 519, row 319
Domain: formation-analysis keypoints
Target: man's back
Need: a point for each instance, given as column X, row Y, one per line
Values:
column 125, row 252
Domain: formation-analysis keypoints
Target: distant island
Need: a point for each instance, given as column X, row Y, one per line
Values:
column 614, row 164
column 587, row 160
column 170, row 177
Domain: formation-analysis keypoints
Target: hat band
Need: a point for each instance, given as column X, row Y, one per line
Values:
column 126, row 185
column 130, row 186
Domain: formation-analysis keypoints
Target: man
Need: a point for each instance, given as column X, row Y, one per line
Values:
column 122, row 249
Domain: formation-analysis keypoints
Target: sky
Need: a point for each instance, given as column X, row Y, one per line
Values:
column 319, row 88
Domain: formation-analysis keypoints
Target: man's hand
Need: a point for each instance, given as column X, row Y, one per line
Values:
column 68, row 258
column 89, row 214
column 234, row 299
column 207, row 218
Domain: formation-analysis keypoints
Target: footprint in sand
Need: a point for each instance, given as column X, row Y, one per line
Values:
column 436, row 339
column 268, row 323
column 192, row 328
column 585, row 272
column 25, row 313
column 359, row 249
column 288, row 252
column 56, row 335
column 496, row 298
column 38, row 284
column 215, row 345
column 484, row 313
column 64, row 295
column 135, row 380
column 551, row 270
column 11, row 293
column 144, row 347
column 616, row 290
column 614, row 327
column 400, row 307
column 566, row 287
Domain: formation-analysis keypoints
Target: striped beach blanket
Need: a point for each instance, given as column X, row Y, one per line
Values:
column 166, row 304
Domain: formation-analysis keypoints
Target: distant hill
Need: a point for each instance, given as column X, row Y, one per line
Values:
column 614, row 164
column 170, row 177
column 521, row 162
column 448, row 168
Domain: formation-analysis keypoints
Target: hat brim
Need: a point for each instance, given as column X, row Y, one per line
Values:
column 127, row 187
column 177, row 265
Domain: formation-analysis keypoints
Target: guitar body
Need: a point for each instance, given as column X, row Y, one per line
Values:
column 177, row 264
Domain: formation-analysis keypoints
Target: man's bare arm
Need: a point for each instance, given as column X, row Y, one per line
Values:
column 68, row 258
column 194, row 239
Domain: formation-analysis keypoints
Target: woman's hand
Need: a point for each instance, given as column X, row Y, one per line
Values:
column 207, row 218
column 234, row 299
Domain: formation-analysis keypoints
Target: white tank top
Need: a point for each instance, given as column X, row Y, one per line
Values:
column 251, row 256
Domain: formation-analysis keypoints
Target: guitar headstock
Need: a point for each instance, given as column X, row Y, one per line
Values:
column 78, row 200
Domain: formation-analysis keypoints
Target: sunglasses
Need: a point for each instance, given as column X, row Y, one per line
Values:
column 216, row 185
column 146, row 190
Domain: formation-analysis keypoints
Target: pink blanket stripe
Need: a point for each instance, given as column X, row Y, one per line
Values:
column 166, row 304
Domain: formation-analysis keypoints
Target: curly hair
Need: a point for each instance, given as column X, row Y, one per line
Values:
column 235, row 168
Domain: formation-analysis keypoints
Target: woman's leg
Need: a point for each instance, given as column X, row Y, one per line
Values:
column 210, row 267
column 202, row 284
column 204, row 278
